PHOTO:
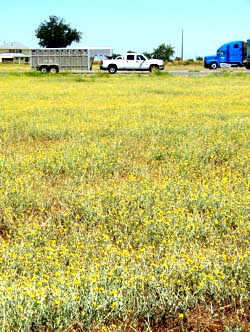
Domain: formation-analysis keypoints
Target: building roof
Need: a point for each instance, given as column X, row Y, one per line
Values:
column 14, row 46
column 13, row 55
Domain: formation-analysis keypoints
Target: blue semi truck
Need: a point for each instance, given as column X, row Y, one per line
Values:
column 233, row 54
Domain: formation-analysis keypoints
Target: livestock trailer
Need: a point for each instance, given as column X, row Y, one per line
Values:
column 56, row 60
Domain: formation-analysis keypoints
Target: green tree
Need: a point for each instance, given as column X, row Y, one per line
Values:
column 199, row 58
column 148, row 54
column 163, row 52
column 114, row 55
column 56, row 33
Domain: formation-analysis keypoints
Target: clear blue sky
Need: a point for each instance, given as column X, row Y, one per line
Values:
column 133, row 24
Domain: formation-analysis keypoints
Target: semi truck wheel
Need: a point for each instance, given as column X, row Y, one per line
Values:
column 112, row 69
column 213, row 65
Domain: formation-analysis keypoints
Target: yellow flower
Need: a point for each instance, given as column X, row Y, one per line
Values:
column 180, row 315
column 77, row 282
column 57, row 303
column 115, row 304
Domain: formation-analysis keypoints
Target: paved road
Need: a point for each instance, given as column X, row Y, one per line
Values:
column 203, row 72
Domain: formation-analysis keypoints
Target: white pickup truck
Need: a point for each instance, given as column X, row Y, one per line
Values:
column 131, row 61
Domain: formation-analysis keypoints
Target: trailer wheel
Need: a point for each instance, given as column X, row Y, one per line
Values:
column 213, row 65
column 53, row 69
column 153, row 68
column 112, row 69
column 44, row 69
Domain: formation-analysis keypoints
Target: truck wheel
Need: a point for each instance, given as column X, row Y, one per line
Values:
column 53, row 69
column 112, row 69
column 247, row 65
column 44, row 69
column 213, row 65
column 153, row 68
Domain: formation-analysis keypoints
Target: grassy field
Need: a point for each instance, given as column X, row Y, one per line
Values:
column 12, row 67
column 124, row 203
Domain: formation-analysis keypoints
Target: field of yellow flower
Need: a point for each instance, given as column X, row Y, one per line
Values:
column 124, row 202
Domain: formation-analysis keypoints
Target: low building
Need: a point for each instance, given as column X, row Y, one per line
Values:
column 14, row 52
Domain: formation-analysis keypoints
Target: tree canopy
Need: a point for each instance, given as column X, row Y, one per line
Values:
column 56, row 33
column 163, row 52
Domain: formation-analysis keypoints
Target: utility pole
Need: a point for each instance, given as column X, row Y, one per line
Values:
column 182, row 44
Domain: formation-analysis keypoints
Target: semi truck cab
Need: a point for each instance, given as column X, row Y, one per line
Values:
column 233, row 54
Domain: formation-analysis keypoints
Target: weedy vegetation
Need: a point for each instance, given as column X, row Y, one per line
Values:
column 124, row 203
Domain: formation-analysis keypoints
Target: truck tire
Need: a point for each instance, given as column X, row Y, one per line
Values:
column 112, row 69
column 153, row 68
column 213, row 65
column 53, row 69
column 44, row 69
column 247, row 65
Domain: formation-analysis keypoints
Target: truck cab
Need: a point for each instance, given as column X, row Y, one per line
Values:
column 228, row 55
column 135, row 61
